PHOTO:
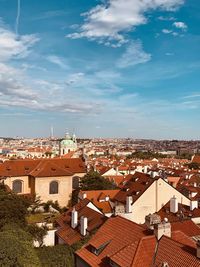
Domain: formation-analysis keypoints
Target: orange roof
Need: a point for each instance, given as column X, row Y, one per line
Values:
column 27, row 166
column 184, row 213
column 196, row 159
column 188, row 227
column 70, row 235
column 116, row 233
column 135, row 187
column 126, row 244
column 98, row 198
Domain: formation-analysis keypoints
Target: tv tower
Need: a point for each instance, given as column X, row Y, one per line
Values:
column 52, row 132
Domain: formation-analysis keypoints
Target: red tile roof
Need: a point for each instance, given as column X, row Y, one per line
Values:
column 98, row 198
column 46, row 167
column 184, row 213
column 117, row 233
column 126, row 244
column 135, row 187
column 188, row 227
column 70, row 235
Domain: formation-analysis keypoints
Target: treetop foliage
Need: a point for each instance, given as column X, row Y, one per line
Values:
column 94, row 181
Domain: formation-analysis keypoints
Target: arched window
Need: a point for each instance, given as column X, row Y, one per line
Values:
column 53, row 187
column 17, row 186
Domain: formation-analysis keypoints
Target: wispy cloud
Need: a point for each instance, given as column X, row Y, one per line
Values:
column 192, row 96
column 57, row 61
column 13, row 46
column 107, row 22
column 166, row 18
column 50, row 14
column 133, row 55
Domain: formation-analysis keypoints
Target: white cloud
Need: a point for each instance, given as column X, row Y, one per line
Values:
column 12, row 86
column 12, row 46
column 166, row 31
column 166, row 18
column 57, row 61
column 107, row 22
column 133, row 55
column 180, row 25
column 169, row 54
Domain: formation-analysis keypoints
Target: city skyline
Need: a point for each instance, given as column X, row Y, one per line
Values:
column 101, row 68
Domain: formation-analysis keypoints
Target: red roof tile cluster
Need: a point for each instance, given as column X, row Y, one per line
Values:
column 188, row 227
column 135, row 187
column 196, row 159
column 122, row 243
column 115, row 234
column 70, row 235
column 184, row 213
column 42, row 167
column 99, row 198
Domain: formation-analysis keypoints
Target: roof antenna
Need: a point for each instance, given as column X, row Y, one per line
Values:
column 18, row 17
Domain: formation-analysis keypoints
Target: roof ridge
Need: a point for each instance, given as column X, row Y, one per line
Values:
column 139, row 246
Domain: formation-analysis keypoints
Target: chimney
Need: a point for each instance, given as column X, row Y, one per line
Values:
column 163, row 228
column 129, row 201
column 193, row 204
column 74, row 218
column 145, row 169
column 151, row 220
column 84, row 225
column 173, row 204
column 198, row 249
column 84, row 195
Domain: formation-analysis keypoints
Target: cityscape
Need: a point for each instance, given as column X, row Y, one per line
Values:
column 99, row 133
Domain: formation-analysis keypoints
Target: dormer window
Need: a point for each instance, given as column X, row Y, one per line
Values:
column 98, row 250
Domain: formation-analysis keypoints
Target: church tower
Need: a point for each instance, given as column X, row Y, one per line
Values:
column 67, row 144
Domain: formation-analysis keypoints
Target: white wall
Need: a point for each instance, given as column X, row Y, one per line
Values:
column 25, row 188
column 64, row 190
column 49, row 239
column 153, row 199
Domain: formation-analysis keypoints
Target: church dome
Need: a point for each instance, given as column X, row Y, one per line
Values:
column 67, row 142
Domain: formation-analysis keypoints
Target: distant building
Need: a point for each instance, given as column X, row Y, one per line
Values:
column 68, row 144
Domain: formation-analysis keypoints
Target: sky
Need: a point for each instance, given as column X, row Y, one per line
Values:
column 100, row 68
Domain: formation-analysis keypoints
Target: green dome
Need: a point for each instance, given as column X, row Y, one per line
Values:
column 67, row 142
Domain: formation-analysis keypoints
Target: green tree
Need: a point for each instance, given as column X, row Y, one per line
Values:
column 94, row 181
column 16, row 248
column 13, row 208
column 37, row 233
column 58, row 256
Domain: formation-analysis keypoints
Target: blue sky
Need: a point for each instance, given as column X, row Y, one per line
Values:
column 109, row 68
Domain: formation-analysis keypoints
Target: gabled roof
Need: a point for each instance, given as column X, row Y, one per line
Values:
column 24, row 167
column 184, row 213
column 70, row 235
column 115, row 234
column 49, row 169
column 135, row 187
column 98, row 198
column 126, row 244
column 196, row 158
column 188, row 227
column 176, row 254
